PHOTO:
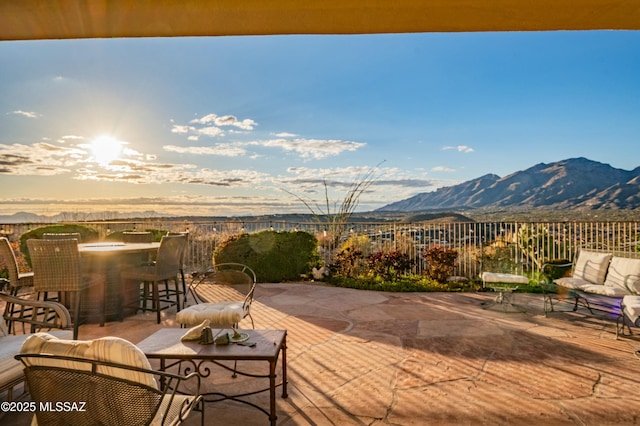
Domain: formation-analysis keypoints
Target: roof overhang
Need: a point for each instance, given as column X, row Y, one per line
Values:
column 65, row 19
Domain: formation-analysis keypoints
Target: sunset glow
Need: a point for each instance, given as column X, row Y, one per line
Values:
column 105, row 149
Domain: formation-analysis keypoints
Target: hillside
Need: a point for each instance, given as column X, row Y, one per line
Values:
column 576, row 183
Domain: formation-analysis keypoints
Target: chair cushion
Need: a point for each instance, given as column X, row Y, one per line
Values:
column 108, row 349
column 603, row 290
column 625, row 274
column 223, row 314
column 11, row 368
column 632, row 308
column 592, row 266
column 493, row 277
column 571, row 283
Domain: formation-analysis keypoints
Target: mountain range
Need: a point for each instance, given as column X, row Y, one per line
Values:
column 576, row 183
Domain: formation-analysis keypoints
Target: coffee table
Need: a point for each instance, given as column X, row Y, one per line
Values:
column 165, row 345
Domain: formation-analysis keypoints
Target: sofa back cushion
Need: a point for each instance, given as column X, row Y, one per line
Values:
column 625, row 274
column 109, row 349
column 592, row 266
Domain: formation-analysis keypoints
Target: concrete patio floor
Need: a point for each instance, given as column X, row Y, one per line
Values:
column 372, row 358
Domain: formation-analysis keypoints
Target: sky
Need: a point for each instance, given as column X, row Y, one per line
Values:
column 224, row 126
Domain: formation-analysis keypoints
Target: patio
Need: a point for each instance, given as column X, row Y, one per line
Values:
column 358, row 357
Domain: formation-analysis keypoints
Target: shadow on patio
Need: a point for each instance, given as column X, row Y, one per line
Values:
column 364, row 358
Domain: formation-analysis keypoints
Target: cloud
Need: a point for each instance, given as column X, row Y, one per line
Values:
column 213, row 126
column 224, row 150
column 28, row 114
column 311, row 148
column 344, row 177
column 226, row 120
column 459, row 148
column 443, row 169
column 42, row 158
column 284, row 135
column 211, row 131
column 182, row 129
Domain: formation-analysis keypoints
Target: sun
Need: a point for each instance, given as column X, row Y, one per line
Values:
column 105, row 149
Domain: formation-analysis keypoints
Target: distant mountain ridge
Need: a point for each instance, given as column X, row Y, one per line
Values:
column 26, row 217
column 576, row 183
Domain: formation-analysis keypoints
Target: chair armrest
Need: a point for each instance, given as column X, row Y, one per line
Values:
column 38, row 314
column 632, row 284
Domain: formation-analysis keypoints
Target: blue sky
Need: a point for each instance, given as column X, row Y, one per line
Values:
column 246, row 125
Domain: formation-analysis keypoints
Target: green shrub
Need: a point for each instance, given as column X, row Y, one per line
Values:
column 87, row 235
column 405, row 283
column 274, row 256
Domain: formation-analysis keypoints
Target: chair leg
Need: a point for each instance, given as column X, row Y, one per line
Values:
column 76, row 314
column 156, row 300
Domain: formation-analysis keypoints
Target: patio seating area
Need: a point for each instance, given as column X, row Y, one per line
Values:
column 362, row 357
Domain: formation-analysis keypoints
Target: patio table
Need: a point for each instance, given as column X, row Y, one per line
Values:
column 267, row 345
column 104, row 261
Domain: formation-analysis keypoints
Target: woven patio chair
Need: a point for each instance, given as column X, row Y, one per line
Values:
column 57, row 267
column 137, row 237
column 104, row 381
column 16, row 280
column 165, row 269
column 183, row 265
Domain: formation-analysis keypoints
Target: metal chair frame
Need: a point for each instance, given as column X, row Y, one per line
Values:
column 56, row 380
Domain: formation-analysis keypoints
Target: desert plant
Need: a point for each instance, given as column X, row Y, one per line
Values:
column 440, row 262
column 332, row 216
column 274, row 256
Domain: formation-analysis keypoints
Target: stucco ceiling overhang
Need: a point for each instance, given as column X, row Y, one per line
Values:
column 64, row 19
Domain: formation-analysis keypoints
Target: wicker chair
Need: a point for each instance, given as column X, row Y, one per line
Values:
column 223, row 295
column 182, row 260
column 137, row 237
column 165, row 269
column 57, row 268
column 62, row 236
column 16, row 279
column 90, row 387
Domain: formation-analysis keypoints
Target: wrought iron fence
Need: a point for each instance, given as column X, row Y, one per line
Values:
column 515, row 247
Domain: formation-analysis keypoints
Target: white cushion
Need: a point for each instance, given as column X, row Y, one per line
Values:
column 11, row 368
column 494, row 277
column 603, row 290
column 592, row 266
column 109, row 349
column 625, row 274
column 223, row 314
column 632, row 308
column 571, row 283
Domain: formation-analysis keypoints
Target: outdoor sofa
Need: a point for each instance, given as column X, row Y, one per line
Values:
column 599, row 281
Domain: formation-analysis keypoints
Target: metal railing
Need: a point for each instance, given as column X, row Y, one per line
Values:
column 515, row 247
